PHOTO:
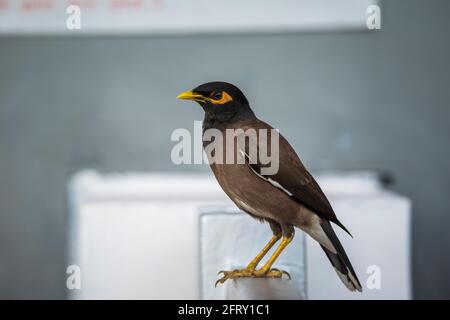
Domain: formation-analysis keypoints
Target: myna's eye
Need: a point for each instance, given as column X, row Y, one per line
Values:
column 216, row 95
column 219, row 97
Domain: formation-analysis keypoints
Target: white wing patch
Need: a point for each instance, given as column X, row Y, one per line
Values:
column 268, row 179
column 244, row 206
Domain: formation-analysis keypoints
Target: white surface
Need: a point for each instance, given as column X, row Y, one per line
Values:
column 229, row 241
column 119, row 224
column 381, row 227
column 182, row 16
column 261, row 289
column 127, row 254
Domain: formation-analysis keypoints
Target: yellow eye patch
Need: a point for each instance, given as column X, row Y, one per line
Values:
column 225, row 97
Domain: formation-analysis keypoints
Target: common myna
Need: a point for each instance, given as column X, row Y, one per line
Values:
column 286, row 198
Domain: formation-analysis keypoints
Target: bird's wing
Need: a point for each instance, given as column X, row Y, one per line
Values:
column 293, row 178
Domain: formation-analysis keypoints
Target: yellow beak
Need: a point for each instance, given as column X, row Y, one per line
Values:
column 190, row 95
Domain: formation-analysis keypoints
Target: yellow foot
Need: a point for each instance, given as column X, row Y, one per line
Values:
column 249, row 273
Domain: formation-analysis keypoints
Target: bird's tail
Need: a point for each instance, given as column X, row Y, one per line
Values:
column 339, row 260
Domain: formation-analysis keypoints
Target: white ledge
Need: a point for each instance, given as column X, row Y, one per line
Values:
column 261, row 289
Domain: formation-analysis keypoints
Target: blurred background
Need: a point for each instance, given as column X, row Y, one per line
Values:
column 346, row 98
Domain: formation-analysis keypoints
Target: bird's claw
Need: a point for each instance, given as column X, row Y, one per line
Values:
column 233, row 274
column 249, row 273
column 225, row 272
column 278, row 271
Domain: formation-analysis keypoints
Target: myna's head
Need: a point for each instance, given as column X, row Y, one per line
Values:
column 221, row 99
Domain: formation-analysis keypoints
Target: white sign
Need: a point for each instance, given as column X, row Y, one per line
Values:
column 179, row 16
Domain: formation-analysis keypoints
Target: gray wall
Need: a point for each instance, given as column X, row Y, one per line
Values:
column 345, row 101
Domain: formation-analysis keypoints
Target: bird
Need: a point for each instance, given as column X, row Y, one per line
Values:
column 286, row 199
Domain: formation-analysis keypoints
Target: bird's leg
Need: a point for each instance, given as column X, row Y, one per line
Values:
column 266, row 268
column 277, row 233
column 252, row 265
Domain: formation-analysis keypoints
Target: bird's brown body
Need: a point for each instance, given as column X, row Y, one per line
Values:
column 262, row 200
column 287, row 198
